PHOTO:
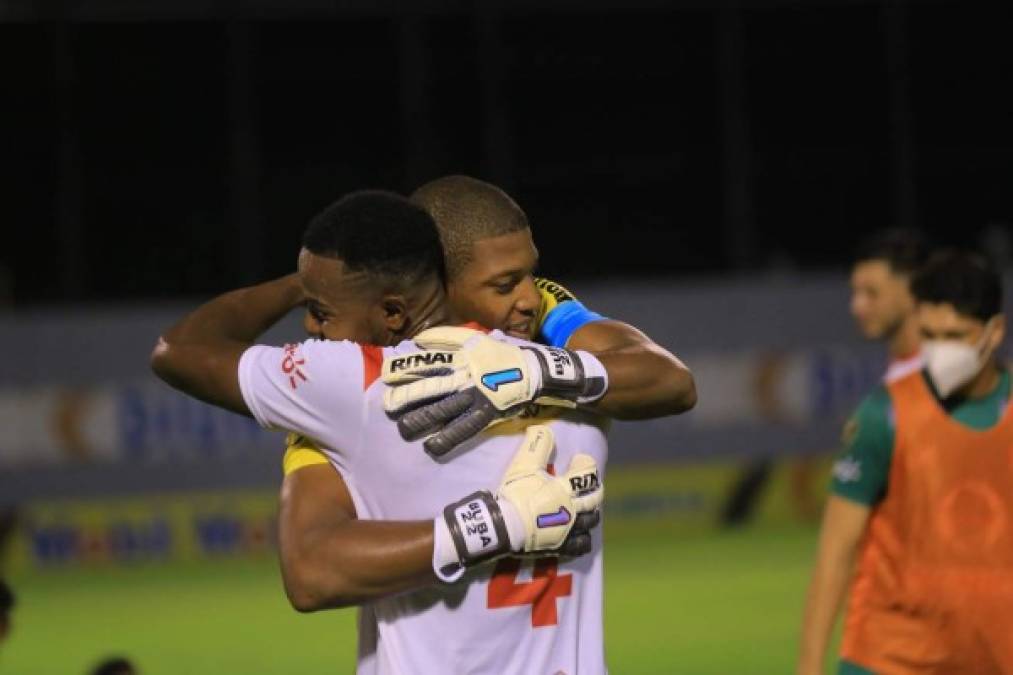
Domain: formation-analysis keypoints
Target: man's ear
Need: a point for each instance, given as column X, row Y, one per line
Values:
column 395, row 312
column 998, row 333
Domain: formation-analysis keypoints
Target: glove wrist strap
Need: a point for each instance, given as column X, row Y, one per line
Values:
column 573, row 376
column 596, row 378
column 477, row 528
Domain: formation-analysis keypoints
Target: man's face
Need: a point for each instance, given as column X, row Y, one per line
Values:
column 880, row 299
column 496, row 288
column 340, row 304
column 941, row 325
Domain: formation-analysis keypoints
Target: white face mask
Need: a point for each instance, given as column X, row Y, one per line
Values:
column 952, row 363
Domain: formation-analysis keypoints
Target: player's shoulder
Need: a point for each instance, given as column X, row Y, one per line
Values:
column 902, row 368
column 336, row 348
column 335, row 363
column 875, row 408
column 296, row 386
column 872, row 421
column 296, row 362
column 861, row 471
column 461, row 332
column 876, row 401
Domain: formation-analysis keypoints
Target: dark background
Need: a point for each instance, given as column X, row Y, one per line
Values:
column 150, row 150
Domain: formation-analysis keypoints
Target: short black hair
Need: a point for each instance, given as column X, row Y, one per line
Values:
column 377, row 232
column 114, row 666
column 904, row 250
column 963, row 279
column 466, row 210
column 7, row 600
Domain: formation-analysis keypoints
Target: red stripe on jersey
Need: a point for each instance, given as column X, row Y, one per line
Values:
column 474, row 325
column 372, row 361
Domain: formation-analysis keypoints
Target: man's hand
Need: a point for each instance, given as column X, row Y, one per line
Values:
column 532, row 512
column 465, row 380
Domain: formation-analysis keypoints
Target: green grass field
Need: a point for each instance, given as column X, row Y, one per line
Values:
column 722, row 603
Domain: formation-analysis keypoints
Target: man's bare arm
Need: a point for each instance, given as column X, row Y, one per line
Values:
column 330, row 559
column 844, row 523
column 645, row 380
column 200, row 354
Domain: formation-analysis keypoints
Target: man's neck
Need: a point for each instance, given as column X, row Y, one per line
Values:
column 433, row 310
column 906, row 340
column 983, row 384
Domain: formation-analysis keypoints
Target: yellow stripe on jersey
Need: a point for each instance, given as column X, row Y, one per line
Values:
column 560, row 314
column 551, row 295
column 301, row 452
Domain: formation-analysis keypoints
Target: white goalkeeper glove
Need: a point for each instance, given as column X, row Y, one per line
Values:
column 532, row 512
column 465, row 380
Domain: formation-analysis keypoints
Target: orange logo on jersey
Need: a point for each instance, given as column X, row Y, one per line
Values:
column 290, row 366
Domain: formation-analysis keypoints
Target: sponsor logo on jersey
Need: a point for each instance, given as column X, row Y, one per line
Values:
column 848, row 470
column 421, row 359
column 292, row 364
column 849, row 432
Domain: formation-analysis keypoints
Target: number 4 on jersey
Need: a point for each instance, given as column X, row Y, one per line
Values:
column 541, row 592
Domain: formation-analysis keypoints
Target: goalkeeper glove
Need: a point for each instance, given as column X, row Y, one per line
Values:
column 532, row 512
column 466, row 380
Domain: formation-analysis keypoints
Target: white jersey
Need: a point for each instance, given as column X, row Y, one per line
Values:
column 899, row 368
column 541, row 618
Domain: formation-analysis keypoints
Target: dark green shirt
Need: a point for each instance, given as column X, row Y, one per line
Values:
column 862, row 471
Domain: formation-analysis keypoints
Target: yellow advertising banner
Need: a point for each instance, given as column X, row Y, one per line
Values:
column 191, row 527
column 144, row 529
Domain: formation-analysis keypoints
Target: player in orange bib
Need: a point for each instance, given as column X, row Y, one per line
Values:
column 923, row 499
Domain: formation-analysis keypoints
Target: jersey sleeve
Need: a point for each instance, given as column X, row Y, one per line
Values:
column 313, row 389
column 560, row 314
column 862, row 470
